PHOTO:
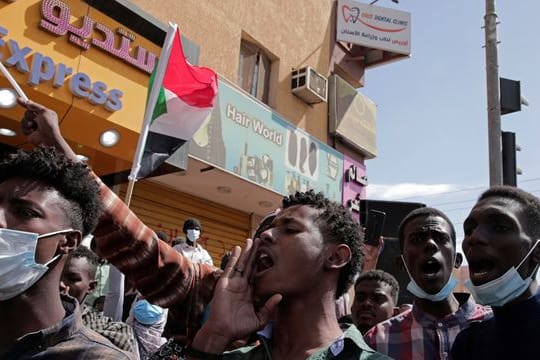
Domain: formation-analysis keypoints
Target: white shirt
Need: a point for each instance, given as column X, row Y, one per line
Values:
column 196, row 254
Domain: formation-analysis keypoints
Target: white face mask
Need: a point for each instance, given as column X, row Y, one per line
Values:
column 417, row 291
column 193, row 234
column 18, row 267
column 504, row 289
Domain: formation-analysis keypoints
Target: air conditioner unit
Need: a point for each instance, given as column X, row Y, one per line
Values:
column 309, row 85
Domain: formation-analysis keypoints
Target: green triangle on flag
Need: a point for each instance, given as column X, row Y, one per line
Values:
column 161, row 103
column 184, row 96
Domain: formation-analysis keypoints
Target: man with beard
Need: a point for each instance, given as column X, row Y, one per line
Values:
column 375, row 299
column 306, row 259
column 427, row 331
column 502, row 234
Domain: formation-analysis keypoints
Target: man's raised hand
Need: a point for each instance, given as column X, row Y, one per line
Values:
column 40, row 125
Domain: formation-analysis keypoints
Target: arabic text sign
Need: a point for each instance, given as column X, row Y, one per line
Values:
column 44, row 69
column 374, row 27
column 56, row 17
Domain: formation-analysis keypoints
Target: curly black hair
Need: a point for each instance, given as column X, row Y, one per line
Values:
column 339, row 227
column 383, row 277
column 530, row 203
column 424, row 212
column 71, row 179
column 82, row 252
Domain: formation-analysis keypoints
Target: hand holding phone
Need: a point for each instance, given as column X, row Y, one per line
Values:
column 374, row 227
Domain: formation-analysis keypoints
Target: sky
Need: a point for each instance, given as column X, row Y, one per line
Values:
column 431, row 108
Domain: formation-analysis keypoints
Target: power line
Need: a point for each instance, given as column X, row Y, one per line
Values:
column 462, row 190
column 444, row 192
column 532, row 179
column 468, row 207
column 452, row 202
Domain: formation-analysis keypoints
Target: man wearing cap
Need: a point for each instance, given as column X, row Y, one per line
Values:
column 190, row 249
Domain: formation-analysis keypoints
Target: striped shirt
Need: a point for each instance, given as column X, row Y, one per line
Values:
column 162, row 275
column 415, row 334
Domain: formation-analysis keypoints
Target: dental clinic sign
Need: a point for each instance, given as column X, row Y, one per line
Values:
column 374, row 27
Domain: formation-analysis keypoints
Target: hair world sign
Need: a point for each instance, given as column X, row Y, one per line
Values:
column 55, row 18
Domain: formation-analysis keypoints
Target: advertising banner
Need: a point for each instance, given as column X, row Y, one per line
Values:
column 354, row 185
column 353, row 116
column 373, row 27
column 250, row 140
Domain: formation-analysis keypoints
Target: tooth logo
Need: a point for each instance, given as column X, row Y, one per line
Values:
column 350, row 14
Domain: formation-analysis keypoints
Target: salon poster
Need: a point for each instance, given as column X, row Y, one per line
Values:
column 250, row 140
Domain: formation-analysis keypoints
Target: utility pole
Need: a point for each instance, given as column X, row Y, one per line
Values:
column 493, row 95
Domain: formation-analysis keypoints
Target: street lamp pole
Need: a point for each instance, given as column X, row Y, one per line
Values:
column 493, row 95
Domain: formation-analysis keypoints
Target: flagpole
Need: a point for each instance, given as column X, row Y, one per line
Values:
column 152, row 99
column 13, row 82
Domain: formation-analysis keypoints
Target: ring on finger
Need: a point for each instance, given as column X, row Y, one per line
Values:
column 240, row 271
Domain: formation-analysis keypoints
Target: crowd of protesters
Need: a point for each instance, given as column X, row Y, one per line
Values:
column 275, row 298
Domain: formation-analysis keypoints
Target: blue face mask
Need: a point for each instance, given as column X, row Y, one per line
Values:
column 417, row 291
column 505, row 288
column 18, row 267
column 146, row 313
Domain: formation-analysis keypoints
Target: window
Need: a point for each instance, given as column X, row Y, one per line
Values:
column 254, row 71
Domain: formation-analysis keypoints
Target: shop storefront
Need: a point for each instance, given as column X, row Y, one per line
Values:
column 87, row 67
column 93, row 71
column 163, row 208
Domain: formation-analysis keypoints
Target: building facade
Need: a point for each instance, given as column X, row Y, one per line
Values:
column 288, row 116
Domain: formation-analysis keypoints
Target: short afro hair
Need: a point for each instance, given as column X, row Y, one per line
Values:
column 72, row 180
column 530, row 203
column 339, row 227
column 82, row 252
column 424, row 212
column 383, row 277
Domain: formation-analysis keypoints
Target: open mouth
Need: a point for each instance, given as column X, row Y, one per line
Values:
column 263, row 262
column 431, row 267
column 480, row 270
column 365, row 315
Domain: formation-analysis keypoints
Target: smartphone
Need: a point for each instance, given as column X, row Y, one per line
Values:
column 374, row 227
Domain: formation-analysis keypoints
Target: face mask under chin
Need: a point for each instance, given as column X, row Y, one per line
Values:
column 505, row 288
column 442, row 294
